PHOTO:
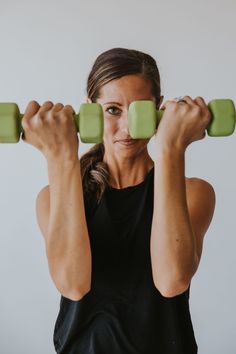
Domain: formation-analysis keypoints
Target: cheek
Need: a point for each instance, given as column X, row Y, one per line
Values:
column 110, row 127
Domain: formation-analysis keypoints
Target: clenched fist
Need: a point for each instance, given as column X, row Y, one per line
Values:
column 51, row 129
column 183, row 122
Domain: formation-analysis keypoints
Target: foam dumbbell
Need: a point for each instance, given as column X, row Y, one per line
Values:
column 143, row 118
column 89, row 123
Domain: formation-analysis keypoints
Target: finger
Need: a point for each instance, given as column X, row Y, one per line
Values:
column 57, row 107
column 46, row 106
column 188, row 100
column 68, row 108
column 31, row 109
column 200, row 102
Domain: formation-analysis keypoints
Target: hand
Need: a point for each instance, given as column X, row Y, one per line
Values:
column 183, row 122
column 51, row 129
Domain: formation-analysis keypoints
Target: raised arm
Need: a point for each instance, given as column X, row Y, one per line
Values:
column 60, row 206
column 182, row 210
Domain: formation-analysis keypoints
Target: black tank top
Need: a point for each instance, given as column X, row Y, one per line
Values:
column 123, row 313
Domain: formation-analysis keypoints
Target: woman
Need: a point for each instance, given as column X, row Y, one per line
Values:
column 123, row 232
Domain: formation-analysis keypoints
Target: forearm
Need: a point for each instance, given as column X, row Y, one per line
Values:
column 173, row 248
column 68, row 245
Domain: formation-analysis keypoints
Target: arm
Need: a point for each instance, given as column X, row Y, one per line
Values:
column 181, row 217
column 60, row 206
column 61, row 218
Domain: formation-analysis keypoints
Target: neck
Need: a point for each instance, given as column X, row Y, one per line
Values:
column 129, row 172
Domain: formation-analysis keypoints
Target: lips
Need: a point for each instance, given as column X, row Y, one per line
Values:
column 126, row 141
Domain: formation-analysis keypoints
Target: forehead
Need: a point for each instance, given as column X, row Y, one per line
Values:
column 129, row 87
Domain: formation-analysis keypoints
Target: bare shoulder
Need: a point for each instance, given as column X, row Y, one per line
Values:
column 42, row 209
column 199, row 185
column 201, row 200
column 200, row 191
column 200, row 196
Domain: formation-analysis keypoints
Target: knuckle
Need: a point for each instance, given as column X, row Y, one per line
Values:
column 33, row 103
column 197, row 110
column 58, row 104
column 57, row 108
column 187, row 97
column 200, row 98
column 47, row 104
column 69, row 108
column 32, row 107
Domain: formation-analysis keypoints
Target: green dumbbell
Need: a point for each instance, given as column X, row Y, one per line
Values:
column 143, row 118
column 89, row 123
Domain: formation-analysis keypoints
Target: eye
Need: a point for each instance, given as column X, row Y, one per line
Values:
column 113, row 110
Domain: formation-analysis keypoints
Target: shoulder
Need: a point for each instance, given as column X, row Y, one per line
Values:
column 42, row 197
column 195, row 186
column 201, row 200
column 200, row 196
column 42, row 208
column 200, row 193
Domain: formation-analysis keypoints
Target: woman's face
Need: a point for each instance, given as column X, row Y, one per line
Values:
column 115, row 98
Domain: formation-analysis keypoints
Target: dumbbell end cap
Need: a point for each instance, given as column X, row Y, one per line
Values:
column 91, row 123
column 142, row 119
column 224, row 117
column 10, row 123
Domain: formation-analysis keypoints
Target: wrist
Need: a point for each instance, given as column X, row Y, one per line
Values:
column 166, row 150
column 62, row 161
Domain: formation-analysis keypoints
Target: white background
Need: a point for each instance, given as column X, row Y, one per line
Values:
column 47, row 50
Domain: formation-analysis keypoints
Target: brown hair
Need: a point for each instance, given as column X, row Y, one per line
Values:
column 112, row 64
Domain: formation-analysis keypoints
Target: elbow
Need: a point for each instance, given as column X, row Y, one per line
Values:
column 73, row 292
column 172, row 289
column 75, row 295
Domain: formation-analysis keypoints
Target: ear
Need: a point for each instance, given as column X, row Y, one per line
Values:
column 88, row 100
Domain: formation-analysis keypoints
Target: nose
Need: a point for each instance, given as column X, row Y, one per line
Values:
column 123, row 124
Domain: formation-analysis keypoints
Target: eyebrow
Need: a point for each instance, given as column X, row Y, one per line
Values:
column 119, row 104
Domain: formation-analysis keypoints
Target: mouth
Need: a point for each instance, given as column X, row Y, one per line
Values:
column 126, row 141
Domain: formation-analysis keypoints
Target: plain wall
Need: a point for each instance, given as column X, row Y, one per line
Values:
column 47, row 50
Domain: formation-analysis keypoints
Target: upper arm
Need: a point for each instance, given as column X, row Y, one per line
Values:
column 201, row 205
column 42, row 209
